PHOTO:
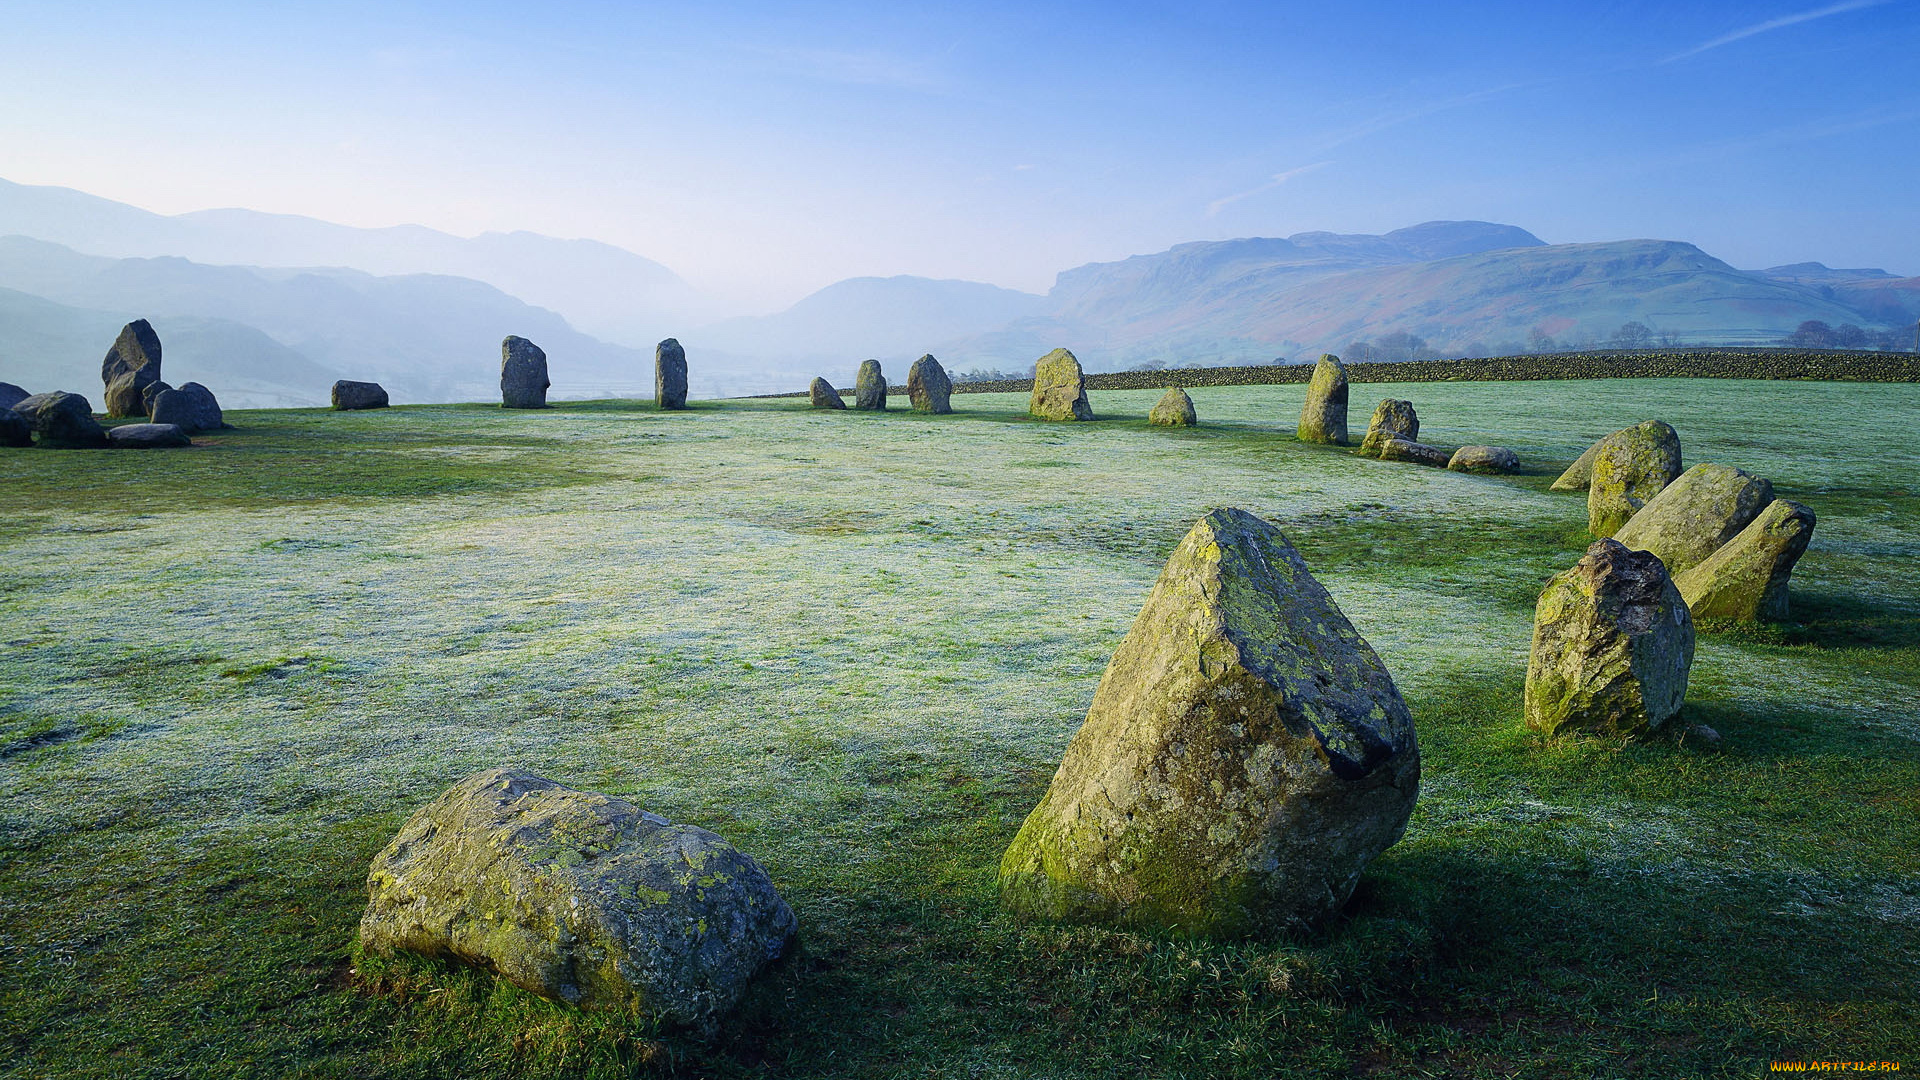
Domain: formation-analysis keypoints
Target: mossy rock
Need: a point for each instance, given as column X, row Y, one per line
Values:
column 1630, row 468
column 822, row 395
column 1392, row 419
column 1492, row 460
column 1612, row 646
column 1746, row 579
column 1174, row 409
column 1693, row 516
column 1323, row 417
column 928, row 388
column 1059, row 388
column 870, row 387
column 129, row 368
column 1394, row 448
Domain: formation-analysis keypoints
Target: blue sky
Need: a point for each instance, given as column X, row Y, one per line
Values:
column 766, row 150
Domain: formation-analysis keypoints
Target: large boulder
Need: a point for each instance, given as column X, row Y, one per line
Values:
column 149, row 392
column 1631, row 468
column 1612, row 646
column 1747, row 578
column 1693, row 516
column 191, row 406
column 348, row 394
column 1245, row 757
column 14, row 429
column 577, row 897
column 132, row 363
column 1392, row 419
column 870, row 386
column 11, row 395
column 670, row 375
column 62, row 420
column 928, row 387
column 1394, row 448
column 147, row 436
column 1484, row 459
column 1580, row 473
column 822, row 395
column 1323, row 418
column 523, row 374
column 1059, row 388
column 1174, row 409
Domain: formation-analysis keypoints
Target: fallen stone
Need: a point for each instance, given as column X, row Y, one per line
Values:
column 1746, row 579
column 1693, row 516
column 670, row 375
column 62, row 421
column 1631, row 467
column 577, row 897
column 870, row 386
column 1323, row 418
column 1392, row 419
column 147, row 436
column 1174, row 409
column 191, row 406
column 928, row 387
column 1612, row 646
column 348, row 394
column 523, row 374
column 822, row 395
column 1394, row 448
column 151, row 391
column 1484, row 459
column 1059, row 388
column 132, row 363
column 1245, row 757
column 11, row 395
column 14, row 429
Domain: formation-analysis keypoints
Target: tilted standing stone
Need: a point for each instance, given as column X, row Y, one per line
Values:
column 1747, row 578
column 1612, row 646
column 1392, row 419
column 132, row 363
column 1246, row 755
column 62, row 421
column 1059, row 388
column 1323, row 419
column 1580, row 473
column 822, row 395
column 670, row 375
column 523, row 374
column 1174, row 409
column 1484, row 459
column 1630, row 468
column 348, row 394
column 192, row 406
column 870, row 386
column 928, row 387
column 1693, row 516
column 576, row 897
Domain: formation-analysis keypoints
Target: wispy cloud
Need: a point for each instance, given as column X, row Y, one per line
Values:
column 1275, row 181
column 1775, row 24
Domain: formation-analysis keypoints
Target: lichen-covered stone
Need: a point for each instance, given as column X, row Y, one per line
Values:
column 1059, row 388
column 14, row 429
column 192, row 406
column 152, row 390
column 1612, row 646
column 1394, row 448
column 1245, row 757
column 822, row 395
column 670, row 375
column 523, row 374
column 577, row 897
column 1580, row 473
column 1323, row 418
column 132, row 363
column 11, row 395
column 928, row 387
column 147, row 436
column 1630, row 468
column 1746, row 579
column 348, row 394
column 870, row 386
column 1693, row 516
column 1484, row 459
column 62, row 421
column 1174, row 409
column 1392, row 419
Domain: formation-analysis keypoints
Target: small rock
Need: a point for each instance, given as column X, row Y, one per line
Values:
column 153, row 390
column 62, row 421
column 1059, row 388
column 1323, row 418
column 928, row 387
column 1392, row 419
column 191, row 406
column 1693, row 516
column 1704, row 733
column 1630, row 468
column 870, row 386
column 14, row 429
column 1394, row 448
column 132, row 363
column 670, row 375
column 1484, row 459
column 348, row 394
column 1174, row 409
column 11, row 395
column 1746, row 579
column 147, row 436
column 1612, row 646
column 822, row 395
column 523, row 374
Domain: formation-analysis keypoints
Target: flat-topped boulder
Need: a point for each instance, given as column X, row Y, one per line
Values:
column 669, row 375
column 147, row 436
column 1693, row 516
column 1394, row 448
column 928, row 387
column 1484, row 459
column 348, row 394
column 1392, row 419
column 1630, row 468
column 191, row 406
column 523, row 374
column 1323, row 417
column 132, row 363
column 578, row 897
column 870, row 386
column 1612, row 646
column 822, row 395
column 62, row 421
column 1059, row 388
column 11, row 395
column 1746, row 579
column 1246, row 755
column 1174, row 409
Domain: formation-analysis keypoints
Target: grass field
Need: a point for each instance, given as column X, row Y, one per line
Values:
column 855, row 645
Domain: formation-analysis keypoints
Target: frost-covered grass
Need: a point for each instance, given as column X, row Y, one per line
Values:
column 855, row 645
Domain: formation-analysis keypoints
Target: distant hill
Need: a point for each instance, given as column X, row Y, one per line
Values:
column 1821, row 272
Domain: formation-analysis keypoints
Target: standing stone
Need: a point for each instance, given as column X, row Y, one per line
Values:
column 1484, row 459
column 1612, row 646
column 1747, row 578
column 1246, row 755
column 348, row 394
column 1174, row 409
column 11, row 395
column 577, row 897
column 822, row 395
column 523, row 374
column 191, row 406
column 147, row 436
column 1395, row 448
column 870, row 386
column 149, row 392
column 62, row 420
column 1059, row 388
column 1580, row 473
column 1323, row 419
column 1630, row 468
column 1693, row 516
column 1392, row 419
column 132, row 363
column 14, row 429
column 928, row 387
column 670, row 375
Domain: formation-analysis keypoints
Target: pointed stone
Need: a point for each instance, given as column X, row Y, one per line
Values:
column 1693, row 516
column 1747, row 578
column 523, row 374
column 1059, row 388
column 669, row 375
column 1612, row 646
column 132, row 363
column 870, row 386
column 1392, row 419
column 1174, row 409
column 928, row 387
column 1631, row 468
column 822, row 395
column 1323, row 418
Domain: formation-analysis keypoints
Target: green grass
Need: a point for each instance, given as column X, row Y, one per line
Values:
column 855, row 645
